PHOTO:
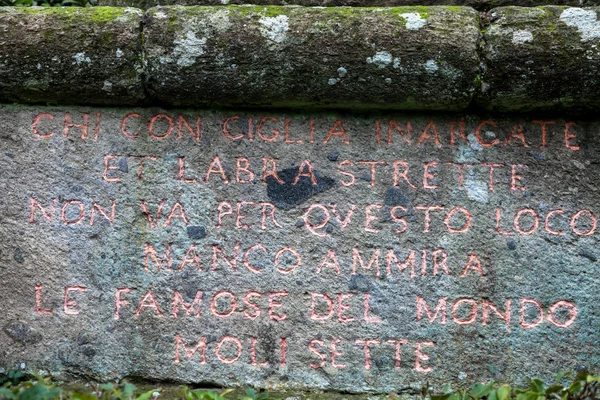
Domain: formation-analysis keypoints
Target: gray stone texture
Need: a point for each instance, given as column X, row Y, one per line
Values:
column 542, row 58
column 398, row 57
column 482, row 5
column 71, row 55
column 403, row 58
column 103, row 256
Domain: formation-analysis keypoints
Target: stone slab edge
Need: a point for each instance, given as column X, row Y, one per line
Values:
column 481, row 5
column 514, row 58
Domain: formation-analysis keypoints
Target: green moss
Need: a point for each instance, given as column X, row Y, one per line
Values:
column 455, row 9
column 106, row 38
column 423, row 11
column 95, row 15
column 273, row 11
column 49, row 35
column 242, row 11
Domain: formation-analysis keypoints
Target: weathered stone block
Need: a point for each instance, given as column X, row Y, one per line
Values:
column 477, row 4
column 71, row 55
column 541, row 58
column 399, row 57
column 371, row 254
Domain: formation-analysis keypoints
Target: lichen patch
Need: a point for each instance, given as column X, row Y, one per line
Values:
column 107, row 86
column 431, row 66
column 219, row 21
column 477, row 190
column 414, row 21
column 188, row 48
column 521, row 37
column 274, row 28
column 382, row 59
column 81, row 58
column 586, row 22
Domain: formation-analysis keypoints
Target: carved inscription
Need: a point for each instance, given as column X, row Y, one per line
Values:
column 309, row 243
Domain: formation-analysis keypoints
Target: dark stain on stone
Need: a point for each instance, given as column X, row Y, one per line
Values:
column 123, row 166
column 18, row 257
column 588, row 254
column 89, row 352
column 196, row 232
column 395, row 197
column 22, row 333
column 288, row 196
column 360, row 283
column 538, row 156
column 9, row 155
column 365, row 177
column 511, row 244
column 211, row 339
column 333, row 156
column 383, row 362
column 83, row 338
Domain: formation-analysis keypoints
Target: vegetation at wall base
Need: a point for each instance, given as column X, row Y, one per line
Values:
column 17, row 386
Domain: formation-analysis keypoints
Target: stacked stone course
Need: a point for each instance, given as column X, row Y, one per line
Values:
column 403, row 57
column 286, row 196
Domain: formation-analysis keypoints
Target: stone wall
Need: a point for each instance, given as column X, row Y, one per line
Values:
column 362, row 199
column 402, row 58
column 372, row 253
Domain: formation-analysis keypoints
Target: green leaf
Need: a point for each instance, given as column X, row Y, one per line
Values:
column 83, row 396
column 527, row 396
column 537, row 386
column 503, row 392
column 560, row 376
column 575, row 387
column 521, row 396
column 480, row 390
column 39, row 392
column 146, row 396
column 15, row 376
column 441, row 397
column 6, row 394
column 128, row 389
column 206, row 395
column 554, row 389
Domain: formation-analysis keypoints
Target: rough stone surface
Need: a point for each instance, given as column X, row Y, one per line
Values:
column 541, row 58
column 402, row 58
column 70, row 55
column 77, row 324
column 397, row 57
column 478, row 4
